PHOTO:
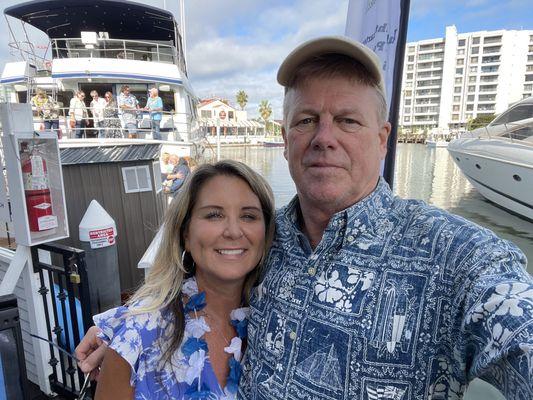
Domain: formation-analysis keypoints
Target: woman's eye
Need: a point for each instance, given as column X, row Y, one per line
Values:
column 251, row 217
column 214, row 215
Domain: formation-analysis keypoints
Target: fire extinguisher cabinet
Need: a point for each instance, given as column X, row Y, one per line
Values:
column 36, row 190
column 98, row 232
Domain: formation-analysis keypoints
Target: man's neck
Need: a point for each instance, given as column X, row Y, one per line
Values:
column 313, row 222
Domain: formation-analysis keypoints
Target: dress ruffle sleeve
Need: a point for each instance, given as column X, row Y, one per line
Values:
column 126, row 333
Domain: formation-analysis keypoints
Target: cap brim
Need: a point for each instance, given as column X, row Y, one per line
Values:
column 330, row 45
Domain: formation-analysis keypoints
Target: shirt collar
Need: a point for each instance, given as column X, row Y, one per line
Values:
column 372, row 207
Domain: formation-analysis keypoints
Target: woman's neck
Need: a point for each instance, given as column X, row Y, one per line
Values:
column 221, row 299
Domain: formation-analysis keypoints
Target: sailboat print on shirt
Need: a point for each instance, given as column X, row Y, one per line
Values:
column 321, row 369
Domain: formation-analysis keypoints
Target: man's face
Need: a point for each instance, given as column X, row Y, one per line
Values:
column 334, row 142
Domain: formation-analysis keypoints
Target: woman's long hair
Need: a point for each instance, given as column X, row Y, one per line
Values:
column 163, row 284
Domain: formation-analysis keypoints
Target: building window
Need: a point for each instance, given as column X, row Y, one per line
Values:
column 455, row 108
column 457, row 89
column 529, row 78
column 473, row 69
column 475, row 50
column 407, row 119
column 410, row 58
column 530, row 49
column 475, row 40
column 230, row 115
column 461, row 61
column 472, row 88
column 456, row 99
column 407, row 110
column 410, row 76
column 410, row 67
column 455, row 117
column 462, row 42
column 458, row 80
column 408, row 93
column 458, row 71
column 205, row 113
column 470, row 97
column 528, row 87
column 471, row 79
column 407, row 102
column 137, row 179
column 469, row 107
column 473, row 60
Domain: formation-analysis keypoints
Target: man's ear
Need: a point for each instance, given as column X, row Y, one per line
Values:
column 284, row 135
column 384, row 133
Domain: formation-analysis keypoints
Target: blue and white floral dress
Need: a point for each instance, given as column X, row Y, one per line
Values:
column 142, row 340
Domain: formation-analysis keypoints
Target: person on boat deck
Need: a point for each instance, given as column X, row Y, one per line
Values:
column 129, row 105
column 48, row 109
column 154, row 104
column 183, row 333
column 79, row 117
column 365, row 293
column 97, row 110
column 112, row 126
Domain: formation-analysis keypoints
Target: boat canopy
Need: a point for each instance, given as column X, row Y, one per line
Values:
column 120, row 19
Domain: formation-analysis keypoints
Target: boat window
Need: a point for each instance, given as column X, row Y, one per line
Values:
column 515, row 114
column 168, row 99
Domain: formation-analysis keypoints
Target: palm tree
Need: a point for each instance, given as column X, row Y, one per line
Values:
column 265, row 110
column 242, row 99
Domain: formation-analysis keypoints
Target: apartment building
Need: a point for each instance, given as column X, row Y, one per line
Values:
column 448, row 81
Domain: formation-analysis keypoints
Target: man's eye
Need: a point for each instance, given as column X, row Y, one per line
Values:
column 306, row 124
column 349, row 124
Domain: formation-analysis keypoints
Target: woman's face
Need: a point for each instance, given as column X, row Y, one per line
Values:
column 226, row 233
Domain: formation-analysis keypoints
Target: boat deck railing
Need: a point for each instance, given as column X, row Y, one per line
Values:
column 171, row 122
column 116, row 49
column 519, row 132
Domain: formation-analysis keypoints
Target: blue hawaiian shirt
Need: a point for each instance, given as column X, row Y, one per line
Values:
column 400, row 300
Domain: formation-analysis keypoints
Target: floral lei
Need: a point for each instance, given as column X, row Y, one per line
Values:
column 195, row 347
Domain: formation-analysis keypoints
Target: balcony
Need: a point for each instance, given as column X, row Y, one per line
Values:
column 489, row 70
column 492, row 50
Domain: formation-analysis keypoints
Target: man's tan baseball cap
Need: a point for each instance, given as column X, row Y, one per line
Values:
column 331, row 45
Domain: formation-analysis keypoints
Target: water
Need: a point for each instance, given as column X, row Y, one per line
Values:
column 420, row 173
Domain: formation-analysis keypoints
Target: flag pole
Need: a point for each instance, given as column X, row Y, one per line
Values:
column 388, row 170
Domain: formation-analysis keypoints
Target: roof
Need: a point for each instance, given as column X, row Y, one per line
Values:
column 121, row 19
column 109, row 154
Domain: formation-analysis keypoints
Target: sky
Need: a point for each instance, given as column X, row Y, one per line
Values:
column 237, row 45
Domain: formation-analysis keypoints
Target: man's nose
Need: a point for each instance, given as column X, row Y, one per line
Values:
column 324, row 136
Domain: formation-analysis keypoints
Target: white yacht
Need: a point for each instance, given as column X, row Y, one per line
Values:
column 101, row 45
column 498, row 159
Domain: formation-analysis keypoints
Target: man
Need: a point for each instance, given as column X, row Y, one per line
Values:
column 129, row 105
column 366, row 295
column 97, row 109
column 78, row 113
column 154, row 104
column 176, row 177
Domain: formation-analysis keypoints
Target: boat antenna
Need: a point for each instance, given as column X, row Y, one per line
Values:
column 182, row 29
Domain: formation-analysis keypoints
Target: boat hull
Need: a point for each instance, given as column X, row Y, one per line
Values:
column 502, row 171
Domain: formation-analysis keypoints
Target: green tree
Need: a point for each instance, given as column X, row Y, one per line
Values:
column 242, row 99
column 480, row 121
column 265, row 110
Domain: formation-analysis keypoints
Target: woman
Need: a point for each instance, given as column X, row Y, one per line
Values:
column 182, row 334
column 111, row 125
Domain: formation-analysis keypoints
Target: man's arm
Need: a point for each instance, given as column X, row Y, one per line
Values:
column 496, row 301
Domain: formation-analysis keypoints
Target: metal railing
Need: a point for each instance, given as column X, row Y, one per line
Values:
column 61, row 286
column 116, row 48
column 171, row 122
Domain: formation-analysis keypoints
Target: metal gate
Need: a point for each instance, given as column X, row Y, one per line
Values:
column 64, row 287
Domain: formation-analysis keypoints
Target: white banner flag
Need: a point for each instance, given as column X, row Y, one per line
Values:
column 376, row 23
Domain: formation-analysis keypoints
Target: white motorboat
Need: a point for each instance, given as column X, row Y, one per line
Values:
column 498, row 159
column 102, row 45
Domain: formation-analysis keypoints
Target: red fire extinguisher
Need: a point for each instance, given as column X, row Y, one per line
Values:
column 37, row 191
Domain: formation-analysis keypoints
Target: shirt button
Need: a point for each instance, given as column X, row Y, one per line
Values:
column 292, row 335
column 311, row 271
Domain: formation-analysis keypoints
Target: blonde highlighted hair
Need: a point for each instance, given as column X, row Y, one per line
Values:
column 163, row 284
